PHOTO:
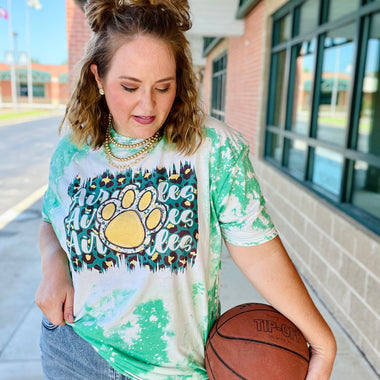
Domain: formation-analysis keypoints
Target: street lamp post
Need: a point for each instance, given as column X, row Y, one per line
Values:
column 36, row 5
column 15, row 60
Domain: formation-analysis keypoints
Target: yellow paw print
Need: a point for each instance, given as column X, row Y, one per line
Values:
column 128, row 221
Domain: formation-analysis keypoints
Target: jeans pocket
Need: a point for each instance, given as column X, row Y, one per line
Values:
column 47, row 324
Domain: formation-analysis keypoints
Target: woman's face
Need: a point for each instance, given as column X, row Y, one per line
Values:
column 140, row 86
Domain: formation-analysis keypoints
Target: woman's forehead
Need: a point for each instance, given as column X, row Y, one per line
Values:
column 144, row 52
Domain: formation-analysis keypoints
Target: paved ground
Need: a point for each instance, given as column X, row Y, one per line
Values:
column 20, row 318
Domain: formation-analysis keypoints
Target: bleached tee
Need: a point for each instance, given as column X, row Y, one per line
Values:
column 144, row 245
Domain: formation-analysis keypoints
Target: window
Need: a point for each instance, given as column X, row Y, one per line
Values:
column 309, row 12
column 327, row 170
column 369, row 131
column 296, row 157
column 339, row 8
column 23, row 89
column 38, row 90
column 303, row 83
column 323, row 113
column 284, row 29
column 336, row 81
column 278, row 116
column 219, row 73
column 366, row 186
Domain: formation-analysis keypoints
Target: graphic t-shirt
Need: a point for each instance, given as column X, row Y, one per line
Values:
column 144, row 245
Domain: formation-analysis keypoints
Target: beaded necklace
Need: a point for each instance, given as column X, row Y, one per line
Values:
column 146, row 145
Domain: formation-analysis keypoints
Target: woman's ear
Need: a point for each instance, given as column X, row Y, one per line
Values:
column 94, row 70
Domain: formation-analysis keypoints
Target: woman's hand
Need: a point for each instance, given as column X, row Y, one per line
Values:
column 269, row 268
column 55, row 295
column 321, row 363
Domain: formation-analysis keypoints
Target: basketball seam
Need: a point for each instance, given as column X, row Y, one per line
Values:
column 240, row 377
column 261, row 342
column 218, row 326
column 247, row 311
column 209, row 366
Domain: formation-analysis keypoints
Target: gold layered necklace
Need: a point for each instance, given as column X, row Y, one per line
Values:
column 121, row 163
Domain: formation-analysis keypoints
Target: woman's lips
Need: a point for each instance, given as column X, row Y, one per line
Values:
column 144, row 119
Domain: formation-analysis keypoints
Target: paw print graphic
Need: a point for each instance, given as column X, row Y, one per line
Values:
column 128, row 221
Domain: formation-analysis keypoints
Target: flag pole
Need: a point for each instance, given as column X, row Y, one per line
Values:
column 11, row 48
column 30, row 80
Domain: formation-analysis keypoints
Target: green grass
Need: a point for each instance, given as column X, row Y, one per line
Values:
column 365, row 123
column 11, row 114
column 333, row 121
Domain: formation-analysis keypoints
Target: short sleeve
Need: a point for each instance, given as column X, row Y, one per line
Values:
column 51, row 197
column 61, row 158
column 237, row 198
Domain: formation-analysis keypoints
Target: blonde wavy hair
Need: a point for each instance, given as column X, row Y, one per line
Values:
column 114, row 22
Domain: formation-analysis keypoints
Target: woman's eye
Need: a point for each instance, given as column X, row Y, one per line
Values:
column 163, row 90
column 129, row 89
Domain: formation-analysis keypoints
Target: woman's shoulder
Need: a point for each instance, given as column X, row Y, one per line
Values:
column 67, row 145
column 221, row 135
column 66, row 150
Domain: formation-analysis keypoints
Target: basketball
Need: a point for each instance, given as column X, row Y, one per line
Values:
column 254, row 341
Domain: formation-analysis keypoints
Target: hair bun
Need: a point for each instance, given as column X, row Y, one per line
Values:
column 100, row 12
column 181, row 9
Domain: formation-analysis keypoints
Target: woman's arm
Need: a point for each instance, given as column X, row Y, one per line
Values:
column 269, row 268
column 55, row 295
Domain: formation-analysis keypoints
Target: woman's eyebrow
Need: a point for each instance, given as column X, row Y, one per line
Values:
column 168, row 79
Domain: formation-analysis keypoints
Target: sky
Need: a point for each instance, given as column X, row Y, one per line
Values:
column 47, row 30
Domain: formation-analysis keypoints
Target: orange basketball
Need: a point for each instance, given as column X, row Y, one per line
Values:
column 254, row 341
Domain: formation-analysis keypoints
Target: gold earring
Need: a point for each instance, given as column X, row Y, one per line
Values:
column 101, row 91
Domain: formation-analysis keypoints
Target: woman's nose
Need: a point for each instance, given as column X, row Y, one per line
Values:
column 147, row 100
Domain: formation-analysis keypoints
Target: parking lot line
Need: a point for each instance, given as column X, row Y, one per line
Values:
column 15, row 211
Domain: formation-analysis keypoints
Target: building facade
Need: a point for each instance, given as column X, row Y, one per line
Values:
column 300, row 80
column 78, row 33
column 50, row 84
column 302, row 83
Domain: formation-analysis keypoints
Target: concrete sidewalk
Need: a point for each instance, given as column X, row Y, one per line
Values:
column 20, row 318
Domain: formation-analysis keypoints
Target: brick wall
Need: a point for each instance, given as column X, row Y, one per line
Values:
column 245, row 63
column 336, row 255
column 244, row 73
column 245, row 66
column 78, row 33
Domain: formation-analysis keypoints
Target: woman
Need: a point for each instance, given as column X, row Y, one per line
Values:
column 141, row 193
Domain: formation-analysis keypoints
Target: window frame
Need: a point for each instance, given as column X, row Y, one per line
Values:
column 361, row 17
column 220, row 78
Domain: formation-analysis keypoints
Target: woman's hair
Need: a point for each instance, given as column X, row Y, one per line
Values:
column 114, row 22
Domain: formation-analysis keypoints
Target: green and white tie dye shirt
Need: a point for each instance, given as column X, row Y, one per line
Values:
column 144, row 246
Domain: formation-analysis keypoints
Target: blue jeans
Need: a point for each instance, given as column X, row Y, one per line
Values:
column 66, row 356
